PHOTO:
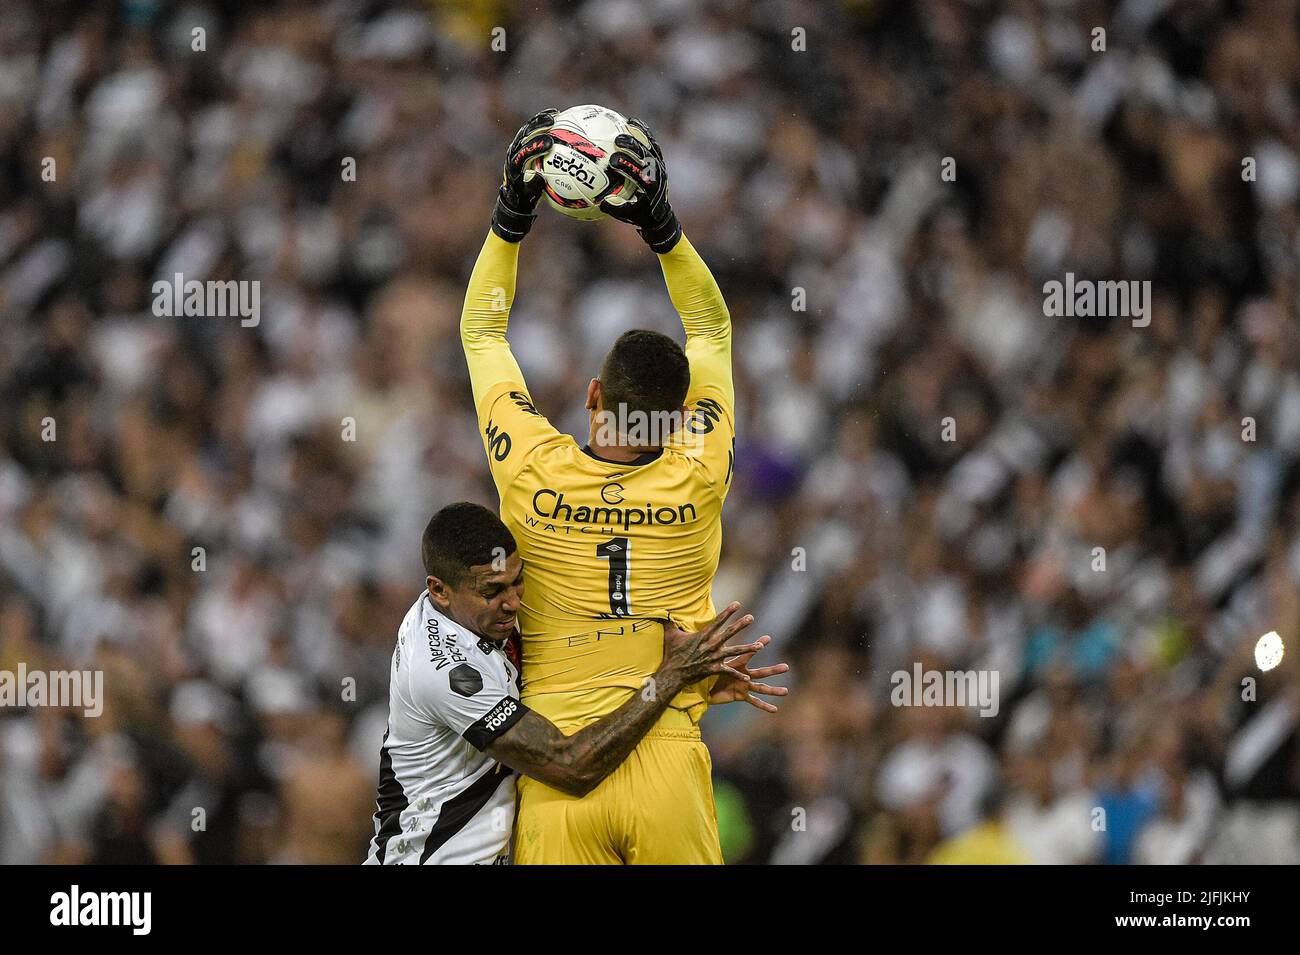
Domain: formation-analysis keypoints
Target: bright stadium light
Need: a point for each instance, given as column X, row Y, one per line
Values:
column 1268, row 651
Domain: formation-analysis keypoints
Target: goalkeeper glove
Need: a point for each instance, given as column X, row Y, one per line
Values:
column 516, row 205
column 641, row 160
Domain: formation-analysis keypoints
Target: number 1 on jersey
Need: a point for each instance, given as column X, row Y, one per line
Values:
column 617, row 551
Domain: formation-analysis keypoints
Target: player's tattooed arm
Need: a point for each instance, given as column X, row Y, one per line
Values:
column 576, row 764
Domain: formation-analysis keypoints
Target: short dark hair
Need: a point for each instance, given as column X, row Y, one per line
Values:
column 645, row 371
column 460, row 536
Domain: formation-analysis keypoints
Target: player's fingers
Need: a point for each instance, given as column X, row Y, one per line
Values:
column 732, row 629
column 758, row 644
column 742, row 659
column 542, row 134
column 640, row 125
column 631, row 166
column 775, row 669
column 626, row 161
column 539, row 125
column 649, row 136
column 748, row 655
column 769, row 690
column 743, row 677
column 740, row 650
column 543, row 120
column 529, row 148
column 721, row 618
column 763, row 705
column 634, row 146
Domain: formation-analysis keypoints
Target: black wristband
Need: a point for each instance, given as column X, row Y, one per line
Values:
column 509, row 223
column 664, row 234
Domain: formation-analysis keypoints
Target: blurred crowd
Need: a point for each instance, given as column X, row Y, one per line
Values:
column 929, row 469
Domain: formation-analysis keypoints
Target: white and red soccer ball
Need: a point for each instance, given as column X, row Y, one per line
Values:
column 575, row 171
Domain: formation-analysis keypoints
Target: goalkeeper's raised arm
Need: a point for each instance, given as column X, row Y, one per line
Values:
column 693, row 290
column 491, row 289
column 705, row 318
column 509, row 422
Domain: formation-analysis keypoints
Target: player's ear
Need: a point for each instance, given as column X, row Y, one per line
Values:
column 439, row 592
column 593, row 395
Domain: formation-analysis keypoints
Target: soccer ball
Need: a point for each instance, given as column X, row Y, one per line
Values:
column 575, row 171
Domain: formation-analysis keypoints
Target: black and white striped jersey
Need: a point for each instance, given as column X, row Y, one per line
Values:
column 442, row 799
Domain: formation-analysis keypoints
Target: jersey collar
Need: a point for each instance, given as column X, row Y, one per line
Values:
column 634, row 463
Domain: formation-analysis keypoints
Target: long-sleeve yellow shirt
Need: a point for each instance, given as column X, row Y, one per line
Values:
column 609, row 549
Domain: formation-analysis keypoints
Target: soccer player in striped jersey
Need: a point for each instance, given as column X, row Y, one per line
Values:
column 617, row 535
column 457, row 731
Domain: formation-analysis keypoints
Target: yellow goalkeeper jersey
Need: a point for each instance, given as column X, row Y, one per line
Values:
column 609, row 549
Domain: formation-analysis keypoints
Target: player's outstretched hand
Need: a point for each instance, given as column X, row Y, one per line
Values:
column 691, row 657
column 729, row 689
column 516, row 205
column 639, row 158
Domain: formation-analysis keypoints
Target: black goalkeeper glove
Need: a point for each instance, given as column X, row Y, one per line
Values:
column 516, row 206
column 643, row 163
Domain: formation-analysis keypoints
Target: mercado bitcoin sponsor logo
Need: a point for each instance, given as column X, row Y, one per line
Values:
column 75, row 689
column 551, row 504
column 443, row 648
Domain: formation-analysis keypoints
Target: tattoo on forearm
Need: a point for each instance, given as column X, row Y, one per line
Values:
column 535, row 747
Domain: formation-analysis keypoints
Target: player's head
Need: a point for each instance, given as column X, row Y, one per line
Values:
column 475, row 574
column 644, row 377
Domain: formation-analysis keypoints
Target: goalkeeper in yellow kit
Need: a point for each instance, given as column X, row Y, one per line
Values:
column 618, row 535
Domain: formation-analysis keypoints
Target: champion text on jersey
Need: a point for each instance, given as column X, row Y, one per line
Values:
column 550, row 504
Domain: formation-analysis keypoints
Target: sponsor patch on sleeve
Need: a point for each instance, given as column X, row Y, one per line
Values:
column 465, row 680
column 495, row 721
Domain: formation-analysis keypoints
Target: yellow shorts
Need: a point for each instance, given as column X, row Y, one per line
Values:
column 654, row 809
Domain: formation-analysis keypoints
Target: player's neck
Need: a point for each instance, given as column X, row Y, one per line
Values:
column 620, row 453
